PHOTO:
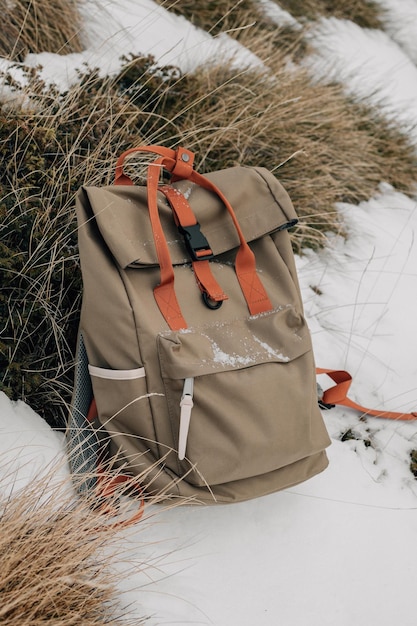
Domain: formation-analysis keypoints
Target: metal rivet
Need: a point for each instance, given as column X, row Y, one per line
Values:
column 185, row 157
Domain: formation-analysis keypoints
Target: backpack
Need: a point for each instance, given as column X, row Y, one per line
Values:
column 194, row 363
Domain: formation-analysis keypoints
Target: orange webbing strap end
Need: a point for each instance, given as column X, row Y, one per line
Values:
column 107, row 485
column 338, row 395
column 92, row 411
column 185, row 219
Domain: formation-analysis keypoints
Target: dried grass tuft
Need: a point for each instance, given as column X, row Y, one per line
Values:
column 239, row 18
column 233, row 16
column 39, row 26
column 365, row 13
column 56, row 560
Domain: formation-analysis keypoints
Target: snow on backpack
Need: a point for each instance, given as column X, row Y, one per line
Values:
column 194, row 359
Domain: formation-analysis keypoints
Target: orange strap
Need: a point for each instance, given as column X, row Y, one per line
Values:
column 338, row 395
column 107, row 486
column 185, row 218
column 164, row 293
column 180, row 163
column 245, row 264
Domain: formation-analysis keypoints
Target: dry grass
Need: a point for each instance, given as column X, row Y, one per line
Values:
column 230, row 16
column 39, row 26
column 234, row 16
column 249, row 22
column 56, row 557
column 241, row 20
column 365, row 13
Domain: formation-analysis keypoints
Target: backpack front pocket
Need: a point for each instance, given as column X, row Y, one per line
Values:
column 252, row 403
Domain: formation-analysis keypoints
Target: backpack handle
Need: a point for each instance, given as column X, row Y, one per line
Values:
column 180, row 163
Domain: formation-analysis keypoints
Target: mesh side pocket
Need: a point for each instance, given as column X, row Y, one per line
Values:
column 82, row 441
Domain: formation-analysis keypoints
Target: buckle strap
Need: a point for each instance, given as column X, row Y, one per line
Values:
column 196, row 243
column 245, row 265
column 198, row 247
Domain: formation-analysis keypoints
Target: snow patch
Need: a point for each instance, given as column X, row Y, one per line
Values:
column 369, row 64
column 271, row 351
column 113, row 29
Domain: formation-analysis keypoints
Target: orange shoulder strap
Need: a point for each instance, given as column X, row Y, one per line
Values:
column 338, row 395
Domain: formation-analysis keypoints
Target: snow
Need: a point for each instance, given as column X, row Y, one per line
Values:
column 400, row 23
column 114, row 29
column 341, row 548
column 370, row 64
column 364, row 319
column 278, row 15
column 29, row 447
column 274, row 354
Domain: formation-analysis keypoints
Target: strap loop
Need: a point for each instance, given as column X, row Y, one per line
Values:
column 169, row 156
column 184, row 161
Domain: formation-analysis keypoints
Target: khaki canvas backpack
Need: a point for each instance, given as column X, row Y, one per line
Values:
column 192, row 338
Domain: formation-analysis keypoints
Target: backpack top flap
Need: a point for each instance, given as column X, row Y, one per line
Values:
column 261, row 204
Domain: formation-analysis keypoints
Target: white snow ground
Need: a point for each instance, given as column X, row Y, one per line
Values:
column 340, row 549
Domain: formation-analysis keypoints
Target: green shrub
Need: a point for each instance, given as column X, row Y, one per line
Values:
column 57, row 554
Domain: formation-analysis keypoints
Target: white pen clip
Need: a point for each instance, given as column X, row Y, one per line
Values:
column 186, row 405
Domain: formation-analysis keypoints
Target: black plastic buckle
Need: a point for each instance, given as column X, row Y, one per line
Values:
column 324, row 406
column 195, row 242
